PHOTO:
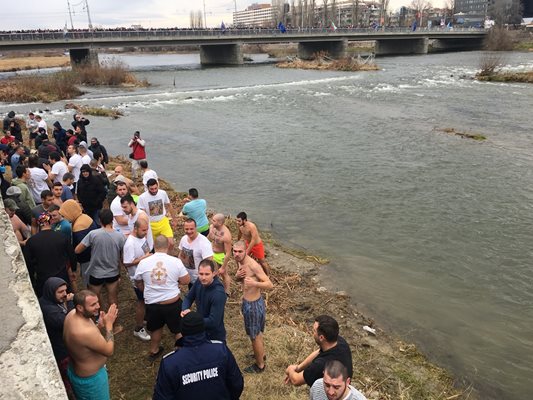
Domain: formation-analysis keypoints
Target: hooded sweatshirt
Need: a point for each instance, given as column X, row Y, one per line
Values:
column 210, row 301
column 90, row 190
column 54, row 314
column 60, row 136
column 82, row 224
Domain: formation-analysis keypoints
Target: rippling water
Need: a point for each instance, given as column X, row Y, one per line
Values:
column 429, row 232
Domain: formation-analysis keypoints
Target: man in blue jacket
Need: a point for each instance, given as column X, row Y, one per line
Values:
column 210, row 296
column 201, row 369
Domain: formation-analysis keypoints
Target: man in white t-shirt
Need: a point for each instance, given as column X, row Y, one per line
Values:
column 134, row 214
column 194, row 248
column 147, row 173
column 156, row 204
column 120, row 219
column 85, row 153
column 38, row 179
column 58, row 168
column 41, row 123
column 159, row 277
column 135, row 250
column 74, row 162
column 335, row 385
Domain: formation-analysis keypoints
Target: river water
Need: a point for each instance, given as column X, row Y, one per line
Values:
column 428, row 232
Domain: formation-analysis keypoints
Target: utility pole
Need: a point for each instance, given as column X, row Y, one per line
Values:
column 88, row 15
column 235, row 2
column 205, row 21
column 70, row 15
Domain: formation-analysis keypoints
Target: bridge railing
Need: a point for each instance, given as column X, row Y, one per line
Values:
column 147, row 34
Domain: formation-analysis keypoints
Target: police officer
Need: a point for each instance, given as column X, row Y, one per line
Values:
column 201, row 369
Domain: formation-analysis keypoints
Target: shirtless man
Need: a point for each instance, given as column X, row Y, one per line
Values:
column 253, row 279
column 220, row 236
column 254, row 246
column 87, row 347
column 22, row 232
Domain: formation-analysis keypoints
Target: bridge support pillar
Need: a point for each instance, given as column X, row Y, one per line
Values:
column 465, row 44
column 401, row 46
column 80, row 57
column 335, row 49
column 221, row 54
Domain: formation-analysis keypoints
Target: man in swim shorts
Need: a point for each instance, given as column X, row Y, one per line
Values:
column 254, row 246
column 87, row 348
column 220, row 237
column 156, row 204
column 253, row 279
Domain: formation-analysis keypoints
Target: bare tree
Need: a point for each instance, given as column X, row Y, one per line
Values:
column 192, row 19
column 449, row 7
column 199, row 19
column 333, row 12
column 384, row 5
column 420, row 6
column 325, row 13
column 355, row 13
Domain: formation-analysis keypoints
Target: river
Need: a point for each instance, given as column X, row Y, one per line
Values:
column 428, row 232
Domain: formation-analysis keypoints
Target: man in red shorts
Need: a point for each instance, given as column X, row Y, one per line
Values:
column 254, row 246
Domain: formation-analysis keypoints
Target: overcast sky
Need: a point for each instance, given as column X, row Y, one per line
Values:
column 53, row 14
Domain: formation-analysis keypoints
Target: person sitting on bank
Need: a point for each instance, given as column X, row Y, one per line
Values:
column 331, row 347
column 335, row 385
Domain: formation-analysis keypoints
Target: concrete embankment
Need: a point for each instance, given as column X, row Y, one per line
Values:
column 27, row 364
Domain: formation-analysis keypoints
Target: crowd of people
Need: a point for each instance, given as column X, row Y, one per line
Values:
column 79, row 225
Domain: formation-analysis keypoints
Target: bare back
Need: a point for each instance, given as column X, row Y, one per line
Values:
column 80, row 335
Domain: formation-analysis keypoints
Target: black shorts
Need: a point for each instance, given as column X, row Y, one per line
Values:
column 33, row 135
column 100, row 281
column 159, row 315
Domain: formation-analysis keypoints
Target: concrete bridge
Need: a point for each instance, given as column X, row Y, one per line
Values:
column 225, row 46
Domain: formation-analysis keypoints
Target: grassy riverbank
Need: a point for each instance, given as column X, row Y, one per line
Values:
column 65, row 84
column 384, row 366
column 33, row 62
column 511, row 77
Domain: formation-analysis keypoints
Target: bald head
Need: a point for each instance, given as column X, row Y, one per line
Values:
column 161, row 244
column 140, row 223
column 218, row 220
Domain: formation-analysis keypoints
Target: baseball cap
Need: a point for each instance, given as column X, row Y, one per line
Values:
column 10, row 203
column 13, row 191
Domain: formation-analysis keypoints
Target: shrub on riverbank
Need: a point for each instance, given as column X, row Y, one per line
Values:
column 111, row 74
column 39, row 88
column 321, row 61
column 64, row 84
column 499, row 39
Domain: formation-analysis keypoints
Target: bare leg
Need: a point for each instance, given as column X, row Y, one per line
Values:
column 97, row 290
column 139, row 314
column 259, row 350
column 155, row 340
column 264, row 265
column 112, row 292
column 170, row 246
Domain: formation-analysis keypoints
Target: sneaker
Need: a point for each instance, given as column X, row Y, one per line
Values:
column 154, row 356
column 254, row 369
column 142, row 334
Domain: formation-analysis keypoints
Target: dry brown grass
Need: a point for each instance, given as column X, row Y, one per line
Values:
column 39, row 88
column 62, row 85
column 322, row 62
column 23, row 63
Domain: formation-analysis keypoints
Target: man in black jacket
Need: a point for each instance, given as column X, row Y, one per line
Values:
column 55, row 304
column 91, row 192
column 201, row 369
column 48, row 254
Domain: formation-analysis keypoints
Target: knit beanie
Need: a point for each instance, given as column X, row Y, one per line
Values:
column 192, row 323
